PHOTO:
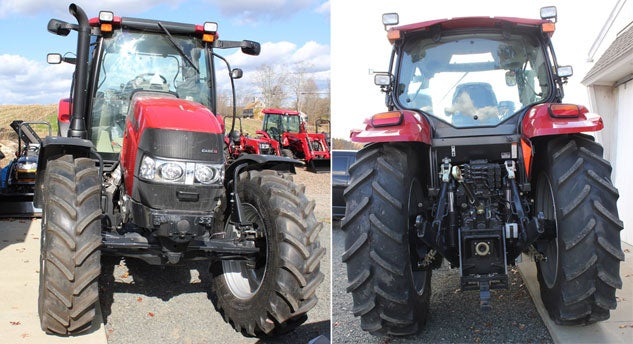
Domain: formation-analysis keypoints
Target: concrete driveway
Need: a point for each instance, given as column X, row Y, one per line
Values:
column 19, row 271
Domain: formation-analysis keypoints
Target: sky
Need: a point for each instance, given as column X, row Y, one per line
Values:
column 359, row 45
column 292, row 33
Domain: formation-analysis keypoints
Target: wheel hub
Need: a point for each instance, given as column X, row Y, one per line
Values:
column 242, row 277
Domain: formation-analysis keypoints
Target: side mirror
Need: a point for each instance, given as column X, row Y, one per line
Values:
column 58, row 58
column 250, row 47
column 382, row 79
column 54, row 58
column 60, row 28
column 236, row 73
column 564, row 71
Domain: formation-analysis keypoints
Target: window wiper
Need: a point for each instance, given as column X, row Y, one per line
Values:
column 178, row 47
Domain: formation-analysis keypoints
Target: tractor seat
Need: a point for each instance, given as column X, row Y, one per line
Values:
column 474, row 103
column 480, row 93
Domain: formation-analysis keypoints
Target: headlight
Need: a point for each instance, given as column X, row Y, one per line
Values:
column 264, row 145
column 171, row 171
column 179, row 172
column 205, row 174
column 26, row 166
column 148, row 168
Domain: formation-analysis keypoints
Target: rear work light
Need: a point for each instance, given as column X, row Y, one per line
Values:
column 389, row 19
column 210, row 30
column 386, row 119
column 549, row 12
column 566, row 110
column 105, row 21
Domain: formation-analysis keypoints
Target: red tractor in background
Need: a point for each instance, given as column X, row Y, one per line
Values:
column 142, row 174
column 475, row 162
column 237, row 143
column 324, row 126
column 288, row 128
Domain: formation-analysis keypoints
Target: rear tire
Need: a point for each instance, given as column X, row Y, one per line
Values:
column 579, row 278
column 71, row 237
column 275, row 296
column 382, row 200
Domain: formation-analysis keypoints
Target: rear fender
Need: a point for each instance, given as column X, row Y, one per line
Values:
column 538, row 121
column 53, row 147
column 413, row 128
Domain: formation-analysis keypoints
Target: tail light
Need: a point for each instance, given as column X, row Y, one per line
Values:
column 566, row 110
column 386, row 119
column 210, row 30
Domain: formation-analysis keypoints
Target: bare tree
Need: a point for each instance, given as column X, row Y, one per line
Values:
column 297, row 84
column 309, row 95
column 317, row 101
column 225, row 104
column 271, row 84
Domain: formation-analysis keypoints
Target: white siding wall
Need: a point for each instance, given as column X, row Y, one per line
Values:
column 624, row 158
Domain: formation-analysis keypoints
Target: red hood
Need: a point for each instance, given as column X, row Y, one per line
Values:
column 175, row 114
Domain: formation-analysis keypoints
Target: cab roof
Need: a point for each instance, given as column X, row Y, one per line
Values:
column 281, row 112
column 471, row 22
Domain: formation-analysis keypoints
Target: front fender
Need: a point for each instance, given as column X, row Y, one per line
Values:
column 53, row 147
column 413, row 128
column 538, row 122
column 260, row 162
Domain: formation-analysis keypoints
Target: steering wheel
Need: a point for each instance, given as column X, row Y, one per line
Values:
column 142, row 81
column 275, row 133
column 150, row 75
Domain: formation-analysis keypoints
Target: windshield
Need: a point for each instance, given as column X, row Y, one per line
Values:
column 286, row 123
column 472, row 80
column 140, row 61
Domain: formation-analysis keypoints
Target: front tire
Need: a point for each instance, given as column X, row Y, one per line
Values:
column 579, row 277
column 287, row 153
column 71, row 237
column 275, row 295
column 384, row 196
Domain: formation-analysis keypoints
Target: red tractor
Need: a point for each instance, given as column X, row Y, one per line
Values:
column 238, row 144
column 288, row 128
column 476, row 161
column 142, row 174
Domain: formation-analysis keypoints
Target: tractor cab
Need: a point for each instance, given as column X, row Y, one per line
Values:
column 134, row 59
column 277, row 122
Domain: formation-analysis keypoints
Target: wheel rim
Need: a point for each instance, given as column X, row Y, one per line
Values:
column 545, row 202
column 418, row 277
column 242, row 281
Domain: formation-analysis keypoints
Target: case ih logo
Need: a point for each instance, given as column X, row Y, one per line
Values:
column 206, row 150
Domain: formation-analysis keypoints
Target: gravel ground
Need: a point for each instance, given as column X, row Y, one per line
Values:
column 142, row 303
column 454, row 317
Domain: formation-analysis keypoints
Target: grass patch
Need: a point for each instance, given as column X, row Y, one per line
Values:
column 27, row 113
